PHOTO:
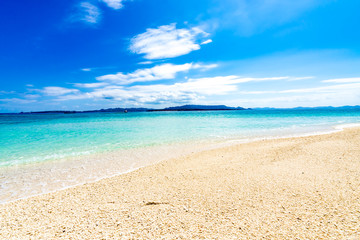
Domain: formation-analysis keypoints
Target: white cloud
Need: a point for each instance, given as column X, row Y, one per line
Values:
column 146, row 62
column 86, row 69
column 167, row 41
column 220, row 85
column 114, row 87
column 181, row 92
column 90, row 85
column 17, row 100
column 327, row 89
column 206, row 42
column 195, row 90
column 301, row 78
column 205, row 67
column 88, row 13
column 115, row 4
column 7, row 92
column 201, row 86
column 57, row 91
column 159, row 72
column 333, row 88
column 340, row 98
column 342, row 80
column 32, row 96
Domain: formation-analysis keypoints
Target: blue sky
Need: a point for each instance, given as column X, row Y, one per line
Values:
column 91, row 54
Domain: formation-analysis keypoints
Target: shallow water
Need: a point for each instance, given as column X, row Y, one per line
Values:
column 45, row 152
column 43, row 137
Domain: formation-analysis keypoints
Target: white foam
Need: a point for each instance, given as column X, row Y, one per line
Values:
column 347, row 125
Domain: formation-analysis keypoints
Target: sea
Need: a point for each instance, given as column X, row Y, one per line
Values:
column 41, row 153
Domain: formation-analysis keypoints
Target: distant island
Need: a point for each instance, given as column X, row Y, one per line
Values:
column 189, row 108
column 199, row 108
column 170, row 109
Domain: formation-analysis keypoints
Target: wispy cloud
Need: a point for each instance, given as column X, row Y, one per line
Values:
column 32, row 96
column 159, row 72
column 90, row 12
column 206, row 42
column 90, row 85
column 115, row 88
column 302, row 78
column 322, row 89
column 57, row 91
column 342, row 80
column 7, row 92
column 115, row 4
column 333, row 88
column 146, row 62
column 167, row 41
column 86, row 12
column 190, row 90
column 314, row 100
column 251, row 17
column 135, row 95
column 338, row 98
column 17, row 100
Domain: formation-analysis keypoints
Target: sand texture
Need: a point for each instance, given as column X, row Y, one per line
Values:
column 297, row 188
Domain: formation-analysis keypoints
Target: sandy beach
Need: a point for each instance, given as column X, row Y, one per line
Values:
column 294, row 188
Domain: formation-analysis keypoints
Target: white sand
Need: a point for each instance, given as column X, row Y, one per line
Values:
column 297, row 188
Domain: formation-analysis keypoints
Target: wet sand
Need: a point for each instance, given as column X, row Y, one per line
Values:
column 295, row 188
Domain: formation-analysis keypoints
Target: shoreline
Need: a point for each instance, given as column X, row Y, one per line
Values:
column 187, row 149
column 304, row 187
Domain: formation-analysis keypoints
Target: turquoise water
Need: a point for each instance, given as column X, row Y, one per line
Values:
column 31, row 138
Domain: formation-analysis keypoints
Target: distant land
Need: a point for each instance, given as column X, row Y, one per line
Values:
column 187, row 108
column 170, row 109
column 199, row 108
column 357, row 107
